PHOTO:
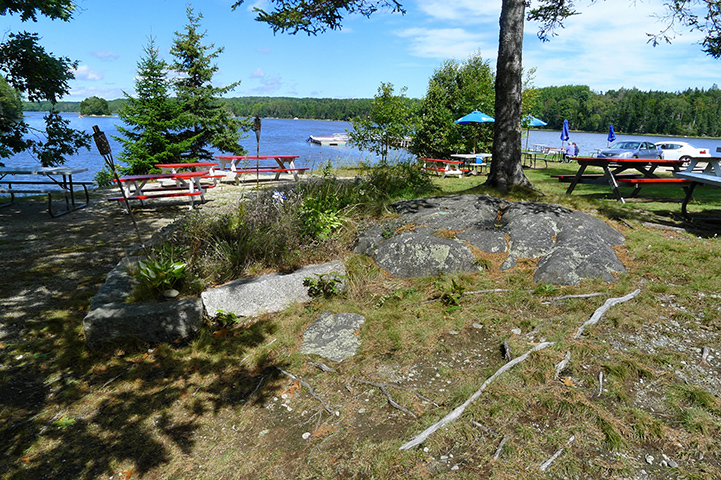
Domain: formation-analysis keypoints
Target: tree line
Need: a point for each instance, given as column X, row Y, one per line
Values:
column 692, row 112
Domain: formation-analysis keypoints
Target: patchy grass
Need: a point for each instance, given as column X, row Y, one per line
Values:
column 219, row 407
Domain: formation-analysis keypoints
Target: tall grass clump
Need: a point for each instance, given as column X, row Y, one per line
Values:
column 283, row 229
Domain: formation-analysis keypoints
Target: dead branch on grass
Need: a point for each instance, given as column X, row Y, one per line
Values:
column 596, row 317
column 547, row 463
column 392, row 402
column 560, row 366
column 458, row 411
column 500, row 447
column 310, row 389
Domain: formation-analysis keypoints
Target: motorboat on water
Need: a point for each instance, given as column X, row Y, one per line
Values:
column 335, row 140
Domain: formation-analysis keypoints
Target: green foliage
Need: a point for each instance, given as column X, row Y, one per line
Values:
column 161, row 271
column 454, row 90
column 324, row 285
column 389, row 123
column 39, row 76
column 451, row 298
column 11, row 105
column 94, row 106
column 316, row 17
column 205, row 123
column 150, row 118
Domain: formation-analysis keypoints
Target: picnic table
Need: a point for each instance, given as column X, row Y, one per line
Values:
column 144, row 187
column 192, row 167
column 643, row 173
column 473, row 160
column 50, row 180
column 444, row 167
column 238, row 164
column 710, row 175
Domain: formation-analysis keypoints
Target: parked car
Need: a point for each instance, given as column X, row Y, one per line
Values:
column 681, row 150
column 631, row 149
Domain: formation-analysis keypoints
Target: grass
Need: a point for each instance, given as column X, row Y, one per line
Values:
column 218, row 407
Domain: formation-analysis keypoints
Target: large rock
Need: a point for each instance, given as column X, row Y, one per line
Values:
column 435, row 235
column 270, row 293
column 333, row 336
column 152, row 322
column 113, row 320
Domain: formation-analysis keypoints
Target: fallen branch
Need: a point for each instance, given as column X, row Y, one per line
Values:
column 596, row 317
column 600, row 383
column 704, row 354
column 392, row 402
column 460, row 409
column 310, row 389
column 489, row 431
column 547, row 463
column 500, row 448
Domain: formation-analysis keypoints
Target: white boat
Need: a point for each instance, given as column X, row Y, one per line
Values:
column 336, row 140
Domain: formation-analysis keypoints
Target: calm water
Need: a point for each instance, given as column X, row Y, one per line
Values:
column 289, row 137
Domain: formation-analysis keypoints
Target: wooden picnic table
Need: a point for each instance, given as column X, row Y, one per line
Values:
column 644, row 173
column 50, row 180
column 710, row 175
column 474, row 161
column 444, row 167
column 144, row 187
column 192, row 167
column 284, row 164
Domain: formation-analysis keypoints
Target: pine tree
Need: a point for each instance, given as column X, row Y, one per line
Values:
column 151, row 118
column 206, row 123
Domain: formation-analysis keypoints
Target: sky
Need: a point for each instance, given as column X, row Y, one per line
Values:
column 604, row 47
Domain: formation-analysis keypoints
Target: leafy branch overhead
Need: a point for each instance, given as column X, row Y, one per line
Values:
column 314, row 17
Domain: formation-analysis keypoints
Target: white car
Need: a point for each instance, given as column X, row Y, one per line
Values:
column 681, row 151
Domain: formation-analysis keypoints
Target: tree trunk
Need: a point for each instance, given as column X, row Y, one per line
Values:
column 506, row 167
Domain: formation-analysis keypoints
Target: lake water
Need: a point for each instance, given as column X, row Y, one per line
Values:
column 289, row 137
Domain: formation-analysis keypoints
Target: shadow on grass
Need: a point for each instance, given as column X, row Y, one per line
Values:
column 70, row 413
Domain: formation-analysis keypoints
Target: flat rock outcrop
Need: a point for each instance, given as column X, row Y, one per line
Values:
column 333, row 336
column 433, row 235
column 247, row 297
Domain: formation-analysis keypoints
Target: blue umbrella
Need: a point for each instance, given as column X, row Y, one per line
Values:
column 534, row 122
column 564, row 132
column 611, row 135
column 475, row 117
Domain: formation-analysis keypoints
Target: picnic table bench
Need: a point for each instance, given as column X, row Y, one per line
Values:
column 183, row 184
column 193, row 167
column 612, row 173
column 444, row 167
column 710, row 175
column 236, row 165
column 51, row 180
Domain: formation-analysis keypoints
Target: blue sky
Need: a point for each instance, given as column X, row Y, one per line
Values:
column 605, row 47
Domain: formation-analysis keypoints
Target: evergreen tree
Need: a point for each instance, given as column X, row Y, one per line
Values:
column 11, row 106
column 206, row 122
column 151, row 117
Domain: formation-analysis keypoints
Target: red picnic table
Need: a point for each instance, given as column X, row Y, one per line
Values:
column 235, row 163
column 192, row 167
column 643, row 173
column 184, row 184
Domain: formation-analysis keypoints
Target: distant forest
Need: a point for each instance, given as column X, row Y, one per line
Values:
column 693, row 112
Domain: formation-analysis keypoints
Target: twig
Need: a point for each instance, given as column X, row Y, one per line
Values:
column 489, row 431
column 460, row 409
column 603, row 309
column 322, row 366
column 547, row 463
column 500, row 448
column 392, row 402
column 600, row 383
column 310, row 389
column 560, row 366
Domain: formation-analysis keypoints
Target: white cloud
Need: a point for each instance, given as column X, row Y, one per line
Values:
column 463, row 11
column 84, row 72
column 258, row 73
column 105, row 55
column 446, row 43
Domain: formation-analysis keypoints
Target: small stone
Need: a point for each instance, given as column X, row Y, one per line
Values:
column 516, row 331
column 171, row 293
column 672, row 464
column 263, row 432
column 426, row 449
column 477, row 325
column 455, row 467
column 306, row 435
column 649, row 459
column 452, row 332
